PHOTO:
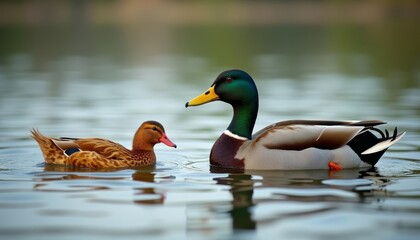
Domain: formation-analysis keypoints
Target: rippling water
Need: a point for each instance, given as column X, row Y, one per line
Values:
column 182, row 196
column 108, row 92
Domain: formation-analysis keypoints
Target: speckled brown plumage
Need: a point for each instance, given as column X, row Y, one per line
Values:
column 102, row 153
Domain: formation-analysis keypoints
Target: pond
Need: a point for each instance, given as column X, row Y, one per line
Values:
column 104, row 79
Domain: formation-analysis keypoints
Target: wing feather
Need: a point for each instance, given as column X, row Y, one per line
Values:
column 364, row 123
column 299, row 137
column 106, row 148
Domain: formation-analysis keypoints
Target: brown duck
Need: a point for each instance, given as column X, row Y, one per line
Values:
column 103, row 153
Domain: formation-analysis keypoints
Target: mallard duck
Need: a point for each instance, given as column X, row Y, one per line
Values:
column 102, row 153
column 287, row 145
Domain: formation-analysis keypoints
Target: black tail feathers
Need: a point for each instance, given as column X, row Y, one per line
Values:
column 366, row 140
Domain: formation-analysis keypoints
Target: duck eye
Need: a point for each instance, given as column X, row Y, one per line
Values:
column 229, row 79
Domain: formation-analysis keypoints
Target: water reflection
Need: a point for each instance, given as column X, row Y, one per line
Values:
column 294, row 178
column 242, row 189
column 253, row 190
column 148, row 194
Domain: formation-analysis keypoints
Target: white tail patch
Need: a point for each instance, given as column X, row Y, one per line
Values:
column 383, row 145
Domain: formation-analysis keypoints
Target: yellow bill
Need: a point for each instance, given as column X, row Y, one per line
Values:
column 208, row 96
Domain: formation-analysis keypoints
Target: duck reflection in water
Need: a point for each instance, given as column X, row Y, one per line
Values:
column 149, row 194
column 242, row 186
column 242, row 189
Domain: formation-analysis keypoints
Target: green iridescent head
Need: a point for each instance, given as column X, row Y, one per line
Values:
column 237, row 88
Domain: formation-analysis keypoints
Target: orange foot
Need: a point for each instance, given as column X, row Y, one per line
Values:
column 334, row 166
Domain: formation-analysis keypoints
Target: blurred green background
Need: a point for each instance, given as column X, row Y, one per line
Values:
column 292, row 39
